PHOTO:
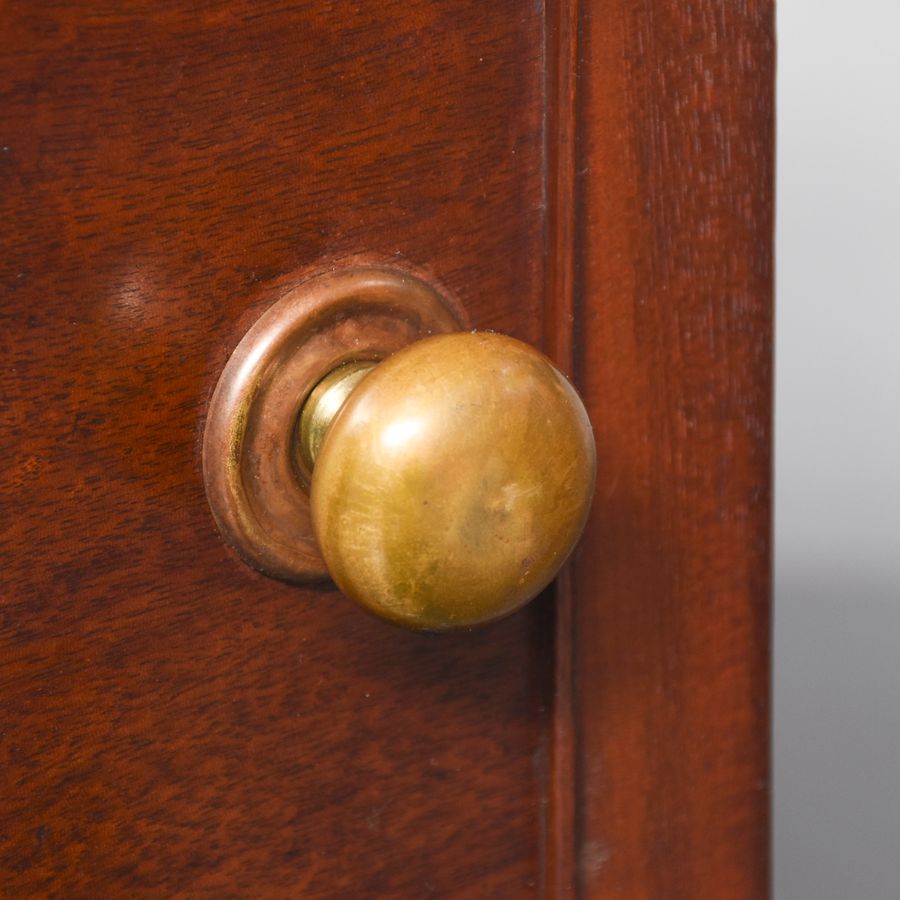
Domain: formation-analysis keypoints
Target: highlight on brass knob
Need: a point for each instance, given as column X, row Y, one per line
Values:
column 439, row 476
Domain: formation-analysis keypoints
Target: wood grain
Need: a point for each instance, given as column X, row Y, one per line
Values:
column 673, row 293
column 591, row 177
column 174, row 724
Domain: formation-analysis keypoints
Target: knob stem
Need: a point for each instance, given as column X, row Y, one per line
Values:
column 324, row 402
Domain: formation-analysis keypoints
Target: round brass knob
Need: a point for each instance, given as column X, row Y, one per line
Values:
column 449, row 482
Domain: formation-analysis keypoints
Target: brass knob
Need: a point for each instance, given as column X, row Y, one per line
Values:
column 449, row 482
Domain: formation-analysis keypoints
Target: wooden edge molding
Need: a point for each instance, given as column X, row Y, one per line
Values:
column 658, row 304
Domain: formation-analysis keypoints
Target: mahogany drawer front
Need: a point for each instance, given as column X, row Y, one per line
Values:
column 593, row 180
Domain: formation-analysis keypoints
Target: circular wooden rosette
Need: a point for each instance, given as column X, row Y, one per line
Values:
column 256, row 491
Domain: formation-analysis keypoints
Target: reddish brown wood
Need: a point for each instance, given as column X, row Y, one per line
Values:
column 592, row 177
column 174, row 724
column 671, row 624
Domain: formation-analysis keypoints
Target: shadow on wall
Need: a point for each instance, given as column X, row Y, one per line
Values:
column 837, row 785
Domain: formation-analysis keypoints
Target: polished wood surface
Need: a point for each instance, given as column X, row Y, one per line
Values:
column 670, row 625
column 593, row 178
column 173, row 723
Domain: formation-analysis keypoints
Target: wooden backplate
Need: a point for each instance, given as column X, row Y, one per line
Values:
column 257, row 492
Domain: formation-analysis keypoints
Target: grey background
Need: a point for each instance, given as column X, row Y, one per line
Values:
column 837, row 570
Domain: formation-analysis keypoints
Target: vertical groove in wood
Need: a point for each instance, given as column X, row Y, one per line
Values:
column 559, row 337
